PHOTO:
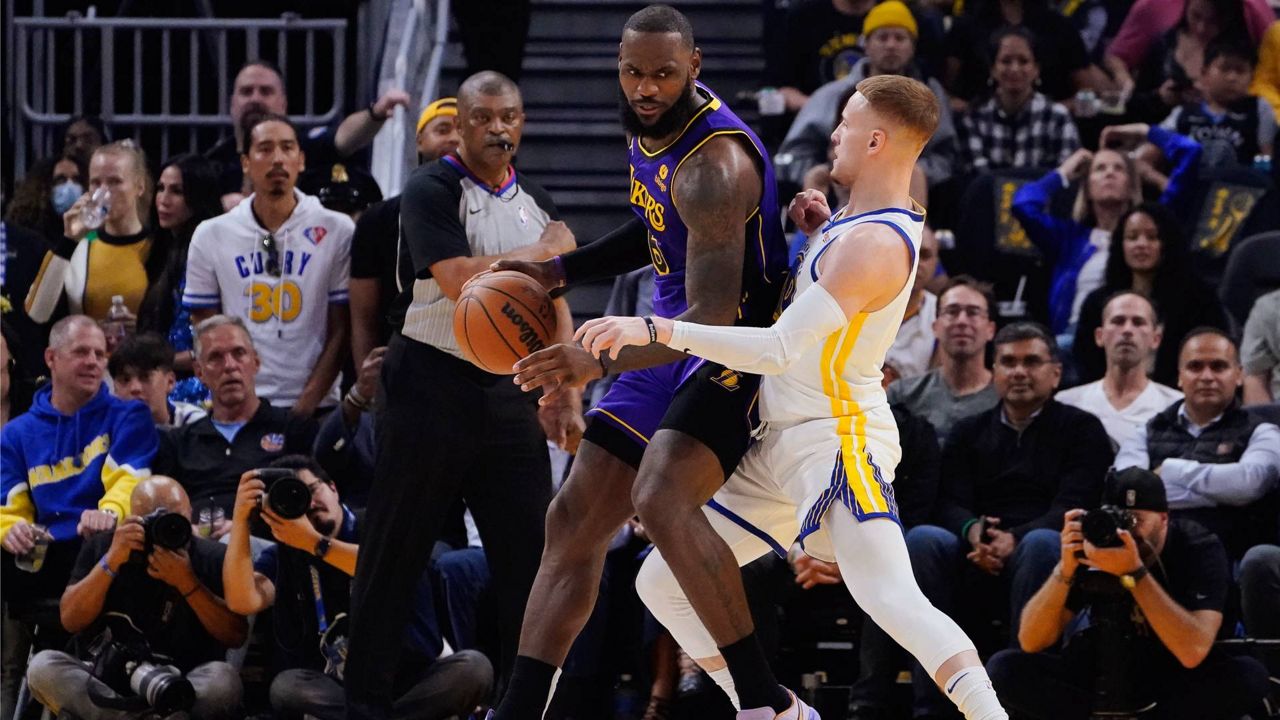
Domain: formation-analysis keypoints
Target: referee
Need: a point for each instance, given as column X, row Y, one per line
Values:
column 447, row 429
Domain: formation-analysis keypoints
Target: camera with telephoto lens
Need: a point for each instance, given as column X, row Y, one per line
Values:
column 287, row 496
column 1102, row 526
column 139, row 678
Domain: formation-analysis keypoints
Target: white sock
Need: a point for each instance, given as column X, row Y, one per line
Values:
column 970, row 689
column 725, row 681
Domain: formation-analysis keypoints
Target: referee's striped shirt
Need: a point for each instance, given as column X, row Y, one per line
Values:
column 448, row 212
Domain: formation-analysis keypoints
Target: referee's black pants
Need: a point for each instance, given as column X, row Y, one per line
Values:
column 445, row 429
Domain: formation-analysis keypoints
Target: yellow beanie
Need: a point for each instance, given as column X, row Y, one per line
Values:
column 891, row 13
column 439, row 108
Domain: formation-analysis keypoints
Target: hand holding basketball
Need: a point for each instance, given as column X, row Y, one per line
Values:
column 502, row 317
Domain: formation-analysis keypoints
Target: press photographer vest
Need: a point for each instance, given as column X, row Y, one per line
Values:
column 1221, row 442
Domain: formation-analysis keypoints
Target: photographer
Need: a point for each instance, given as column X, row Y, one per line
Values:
column 308, row 576
column 1176, row 575
column 170, row 596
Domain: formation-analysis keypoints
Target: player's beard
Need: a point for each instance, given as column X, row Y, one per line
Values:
column 675, row 118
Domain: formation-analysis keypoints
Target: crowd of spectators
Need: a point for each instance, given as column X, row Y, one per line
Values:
column 1119, row 151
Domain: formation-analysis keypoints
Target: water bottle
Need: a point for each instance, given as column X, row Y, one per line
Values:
column 1262, row 163
column 770, row 102
column 95, row 211
column 116, row 328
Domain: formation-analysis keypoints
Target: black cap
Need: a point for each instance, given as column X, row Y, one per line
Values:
column 1135, row 489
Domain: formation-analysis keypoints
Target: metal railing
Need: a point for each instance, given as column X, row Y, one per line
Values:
column 416, row 60
column 155, row 53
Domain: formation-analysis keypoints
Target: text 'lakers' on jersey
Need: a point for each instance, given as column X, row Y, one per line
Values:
column 840, row 377
column 765, row 247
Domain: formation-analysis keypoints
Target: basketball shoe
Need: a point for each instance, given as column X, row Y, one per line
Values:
column 798, row 711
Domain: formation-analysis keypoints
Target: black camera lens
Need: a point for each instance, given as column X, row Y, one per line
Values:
column 169, row 530
column 288, row 497
column 1101, row 527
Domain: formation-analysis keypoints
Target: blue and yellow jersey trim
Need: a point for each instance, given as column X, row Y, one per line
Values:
column 871, row 495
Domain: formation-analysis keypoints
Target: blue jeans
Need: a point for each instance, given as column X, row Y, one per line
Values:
column 943, row 572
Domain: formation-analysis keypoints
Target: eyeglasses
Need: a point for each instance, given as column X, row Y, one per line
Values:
column 951, row 312
column 269, row 246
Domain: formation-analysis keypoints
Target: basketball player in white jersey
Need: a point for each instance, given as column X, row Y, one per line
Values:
column 822, row 469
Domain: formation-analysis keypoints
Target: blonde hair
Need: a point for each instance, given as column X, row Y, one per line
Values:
column 903, row 100
column 138, row 162
column 1082, row 210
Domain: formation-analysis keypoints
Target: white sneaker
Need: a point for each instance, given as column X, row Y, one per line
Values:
column 798, row 711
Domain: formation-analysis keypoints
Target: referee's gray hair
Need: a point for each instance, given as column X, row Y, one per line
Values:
column 60, row 333
column 213, row 323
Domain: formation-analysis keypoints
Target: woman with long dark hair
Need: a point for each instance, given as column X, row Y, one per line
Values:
column 1149, row 255
column 186, row 195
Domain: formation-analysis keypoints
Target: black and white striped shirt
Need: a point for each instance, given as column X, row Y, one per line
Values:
column 447, row 212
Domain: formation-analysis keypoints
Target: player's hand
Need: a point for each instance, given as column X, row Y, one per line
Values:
column 1077, row 165
column 173, row 568
column 809, row 211
column 130, row 537
column 1123, row 137
column 1072, row 541
column 248, row 496
column 811, row 572
column 298, row 533
column 563, row 423
column 94, row 521
column 556, row 370
column 546, row 272
column 20, row 539
column 1114, row 560
column 72, row 220
column 388, row 102
column 611, row 334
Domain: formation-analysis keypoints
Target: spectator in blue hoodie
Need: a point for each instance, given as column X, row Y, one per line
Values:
column 71, row 462
column 1077, row 247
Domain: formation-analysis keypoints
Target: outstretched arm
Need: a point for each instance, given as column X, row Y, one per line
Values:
column 862, row 273
column 716, row 191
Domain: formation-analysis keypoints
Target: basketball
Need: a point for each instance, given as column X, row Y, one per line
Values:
column 502, row 317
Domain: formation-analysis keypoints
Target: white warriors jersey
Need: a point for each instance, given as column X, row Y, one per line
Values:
column 840, row 377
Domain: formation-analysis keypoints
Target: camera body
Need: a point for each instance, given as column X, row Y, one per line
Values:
column 1101, row 527
column 287, row 496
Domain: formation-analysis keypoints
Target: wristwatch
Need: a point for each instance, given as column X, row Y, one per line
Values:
column 1130, row 580
column 322, row 547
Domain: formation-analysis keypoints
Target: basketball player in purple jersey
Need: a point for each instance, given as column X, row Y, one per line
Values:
column 672, row 427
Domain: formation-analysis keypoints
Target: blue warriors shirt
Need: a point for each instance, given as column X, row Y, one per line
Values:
column 765, row 247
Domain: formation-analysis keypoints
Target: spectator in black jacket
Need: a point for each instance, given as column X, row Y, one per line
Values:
column 242, row 430
column 1009, row 475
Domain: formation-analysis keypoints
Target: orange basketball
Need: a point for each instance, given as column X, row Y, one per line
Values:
column 502, row 317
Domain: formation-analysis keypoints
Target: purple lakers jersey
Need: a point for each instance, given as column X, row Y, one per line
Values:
column 765, row 262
